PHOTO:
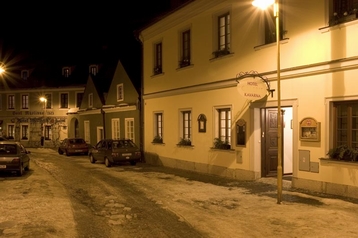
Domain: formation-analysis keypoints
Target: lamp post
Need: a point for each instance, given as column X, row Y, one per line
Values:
column 263, row 4
column 44, row 100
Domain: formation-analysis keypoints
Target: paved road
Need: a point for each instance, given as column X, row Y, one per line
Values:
column 70, row 197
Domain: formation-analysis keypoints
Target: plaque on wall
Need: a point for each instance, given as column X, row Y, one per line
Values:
column 310, row 129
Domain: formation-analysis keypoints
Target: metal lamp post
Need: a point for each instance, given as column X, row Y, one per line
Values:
column 263, row 4
column 44, row 100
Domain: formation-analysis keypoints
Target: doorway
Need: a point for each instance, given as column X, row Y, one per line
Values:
column 269, row 141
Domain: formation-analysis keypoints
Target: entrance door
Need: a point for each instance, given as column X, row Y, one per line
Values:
column 269, row 141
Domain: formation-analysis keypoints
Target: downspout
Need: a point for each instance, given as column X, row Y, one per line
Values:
column 141, row 102
column 103, row 123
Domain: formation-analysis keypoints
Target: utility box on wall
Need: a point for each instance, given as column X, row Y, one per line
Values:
column 304, row 160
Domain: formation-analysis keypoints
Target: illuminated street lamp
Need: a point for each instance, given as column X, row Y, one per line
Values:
column 263, row 4
column 44, row 100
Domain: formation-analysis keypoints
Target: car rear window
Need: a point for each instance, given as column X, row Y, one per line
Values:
column 123, row 144
column 77, row 141
column 8, row 149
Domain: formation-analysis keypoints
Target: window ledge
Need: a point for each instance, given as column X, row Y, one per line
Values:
column 157, row 75
column 158, row 143
column 260, row 47
column 338, row 162
column 224, row 150
column 185, row 67
column 222, row 56
column 185, row 146
column 338, row 26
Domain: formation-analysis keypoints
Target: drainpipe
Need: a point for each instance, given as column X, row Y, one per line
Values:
column 103, row 123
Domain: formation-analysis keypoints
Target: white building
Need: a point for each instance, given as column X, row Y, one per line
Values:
column 192, row 59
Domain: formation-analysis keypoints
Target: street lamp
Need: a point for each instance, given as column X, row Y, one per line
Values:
column 44, row 100
column 263, row 4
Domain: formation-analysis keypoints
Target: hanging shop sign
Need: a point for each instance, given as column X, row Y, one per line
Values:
column 252, row 86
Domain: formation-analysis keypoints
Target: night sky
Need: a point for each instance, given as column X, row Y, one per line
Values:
column 71, row 33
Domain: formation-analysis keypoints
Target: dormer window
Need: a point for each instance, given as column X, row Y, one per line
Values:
column 66, row 72
column 93, row 69
column 90, row 100
column 24, row 74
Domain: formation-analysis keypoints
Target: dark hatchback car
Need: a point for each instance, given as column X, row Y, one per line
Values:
column 115, row 151
column 72, row 146
column 14, row 157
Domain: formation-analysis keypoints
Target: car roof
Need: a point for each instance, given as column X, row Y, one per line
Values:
column 8, row 142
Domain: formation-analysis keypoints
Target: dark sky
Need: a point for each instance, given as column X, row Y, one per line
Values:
column 60, row 31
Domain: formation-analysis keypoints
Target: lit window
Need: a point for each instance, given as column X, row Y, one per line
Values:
column 24, row 132
column 115, row 128
column 158, row 126
column 120, row 92
column 129, row 128
column 93, row 69
column 224, row 125
column 11, row 131
column 11, row 101
column 66, row 72
column 25, row 101
column 185, row 126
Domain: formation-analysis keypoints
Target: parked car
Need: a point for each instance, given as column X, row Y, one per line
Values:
column 14, row 157
column 115, row 151
column 72, row 146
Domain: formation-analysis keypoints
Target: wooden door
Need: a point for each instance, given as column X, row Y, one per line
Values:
column 269, row 141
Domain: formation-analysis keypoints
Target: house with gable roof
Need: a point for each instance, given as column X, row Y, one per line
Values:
column 109, row 108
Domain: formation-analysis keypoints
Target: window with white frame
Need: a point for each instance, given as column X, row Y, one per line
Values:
column 341, row 11
column 158, row 58
column 24, row 101
column 345, row 124
column 66, row 72
column 120, row 92
column 223, row 124
column 90, row 100
column 185, row 53
column 48, row 97
column 129, row 128
column 24, row 131
column 115, row 128
column 63, row 100
column 11, row 101
column 87, row 129
column 48, row 132
column 11, row 131
column 185, row 125
column 223, row 35
column 79, row 97
column 158, row 126
column 93, row 69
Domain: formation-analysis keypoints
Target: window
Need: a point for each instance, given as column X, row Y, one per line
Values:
column 11, row 131
column 185, row 49
column 90, row 100
column 66, row 72
column 48, row 97
column 345, row 119
column 158, row 127
column 24, row 131
column 24, row 74
column 158, row 59
column 120, row 92
column 87, row 131
column 48, row 132
column 63, row 100
column 129, row 128
column 341, row 11
column 185, row 125
column 24, row 101
column 115, row 128
column 11, row 101
column 270, row 25
column 93, row 69
column 79, row 97
column 224, row 124
column 224, row 35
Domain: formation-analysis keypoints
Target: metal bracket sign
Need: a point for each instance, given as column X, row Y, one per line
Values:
column 253, row 86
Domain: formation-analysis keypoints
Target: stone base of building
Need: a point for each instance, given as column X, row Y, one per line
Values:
column 325, row 187
column 239, row 174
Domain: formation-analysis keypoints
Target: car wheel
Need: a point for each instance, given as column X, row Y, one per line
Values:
column 21, row 171
column 60, row 151
column 67, row 154
column 92, row 160
column 107, row 162
column 133, row 163
column 27, row 168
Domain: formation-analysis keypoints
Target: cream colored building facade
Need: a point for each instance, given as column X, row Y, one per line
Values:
column 192, row 59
